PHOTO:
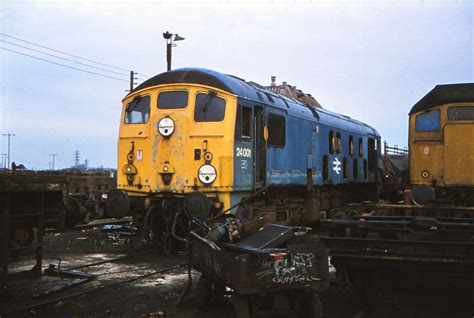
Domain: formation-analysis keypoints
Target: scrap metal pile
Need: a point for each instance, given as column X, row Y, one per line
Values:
column 259, row 268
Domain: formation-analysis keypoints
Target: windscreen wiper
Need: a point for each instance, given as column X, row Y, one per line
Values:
column 210, row 96
column 131, row 107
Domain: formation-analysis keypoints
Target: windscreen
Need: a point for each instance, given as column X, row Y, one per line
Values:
column 209, row 107
column 138, row 110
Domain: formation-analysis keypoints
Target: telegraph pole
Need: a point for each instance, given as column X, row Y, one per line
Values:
column 9, row 135
column 132, row 80
column 54, row 155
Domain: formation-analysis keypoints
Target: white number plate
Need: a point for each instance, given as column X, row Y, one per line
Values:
column 244, row 152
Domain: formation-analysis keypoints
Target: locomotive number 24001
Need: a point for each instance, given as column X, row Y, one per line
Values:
column 244, row 152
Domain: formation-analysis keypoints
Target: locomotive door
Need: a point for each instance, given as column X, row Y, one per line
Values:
column 458, row 154
column 259, row 147
column 250, row 147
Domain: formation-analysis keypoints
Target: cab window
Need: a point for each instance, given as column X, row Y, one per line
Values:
column 429, row 121
column 209, row 107
column 276, row 130
column 172, row 100
column 246, row 122
column 461, row 113
column 243, row 126
column 138, row 110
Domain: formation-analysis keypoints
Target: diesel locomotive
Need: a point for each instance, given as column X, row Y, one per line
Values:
column 441, row 139
column 197, row 141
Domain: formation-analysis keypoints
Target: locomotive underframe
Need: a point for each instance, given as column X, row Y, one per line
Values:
column 162, row 217
column 462, row 195
column 402, row 246
column 300, row 205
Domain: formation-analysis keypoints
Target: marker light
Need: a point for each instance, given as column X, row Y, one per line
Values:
column 207, row 174
column 166, row 127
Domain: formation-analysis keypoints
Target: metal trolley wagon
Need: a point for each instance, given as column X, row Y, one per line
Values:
column 263, row 279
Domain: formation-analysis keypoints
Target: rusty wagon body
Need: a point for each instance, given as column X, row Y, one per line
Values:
column 292, row 274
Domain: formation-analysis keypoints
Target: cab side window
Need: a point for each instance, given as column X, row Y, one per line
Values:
column 276, row 130
column 246, row 123
column 243, row 124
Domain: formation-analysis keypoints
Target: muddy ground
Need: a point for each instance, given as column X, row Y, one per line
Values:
column 159, row 292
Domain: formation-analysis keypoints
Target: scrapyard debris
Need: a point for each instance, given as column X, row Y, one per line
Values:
column 125, row 229
column 59, row 304
column 228, row 231
column 271, row 235
column 266, row 261
column 81, row 277
column 158, row 314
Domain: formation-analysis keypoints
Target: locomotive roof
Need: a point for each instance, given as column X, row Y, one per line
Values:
column 203, row 76
column 250, row 90
column 445, row 94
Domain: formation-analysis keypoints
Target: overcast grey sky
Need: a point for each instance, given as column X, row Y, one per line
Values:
column 366, row 59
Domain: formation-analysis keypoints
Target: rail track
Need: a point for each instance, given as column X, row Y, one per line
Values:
column 137, row 266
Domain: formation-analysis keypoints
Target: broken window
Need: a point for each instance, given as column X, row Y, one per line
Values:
column 138, row 110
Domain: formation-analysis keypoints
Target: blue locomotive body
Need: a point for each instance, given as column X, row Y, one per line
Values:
column 305, row 159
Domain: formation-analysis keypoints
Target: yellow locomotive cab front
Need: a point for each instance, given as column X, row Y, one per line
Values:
column 176, row 139
column 442, row 146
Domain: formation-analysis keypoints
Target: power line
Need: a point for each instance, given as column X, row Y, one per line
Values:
column 71, row 67
column 62, row 52
column 62, row 58
column 143, row 74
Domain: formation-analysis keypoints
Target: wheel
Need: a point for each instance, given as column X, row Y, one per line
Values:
column 240, row 307
column 310, row 305
column 203, row 292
